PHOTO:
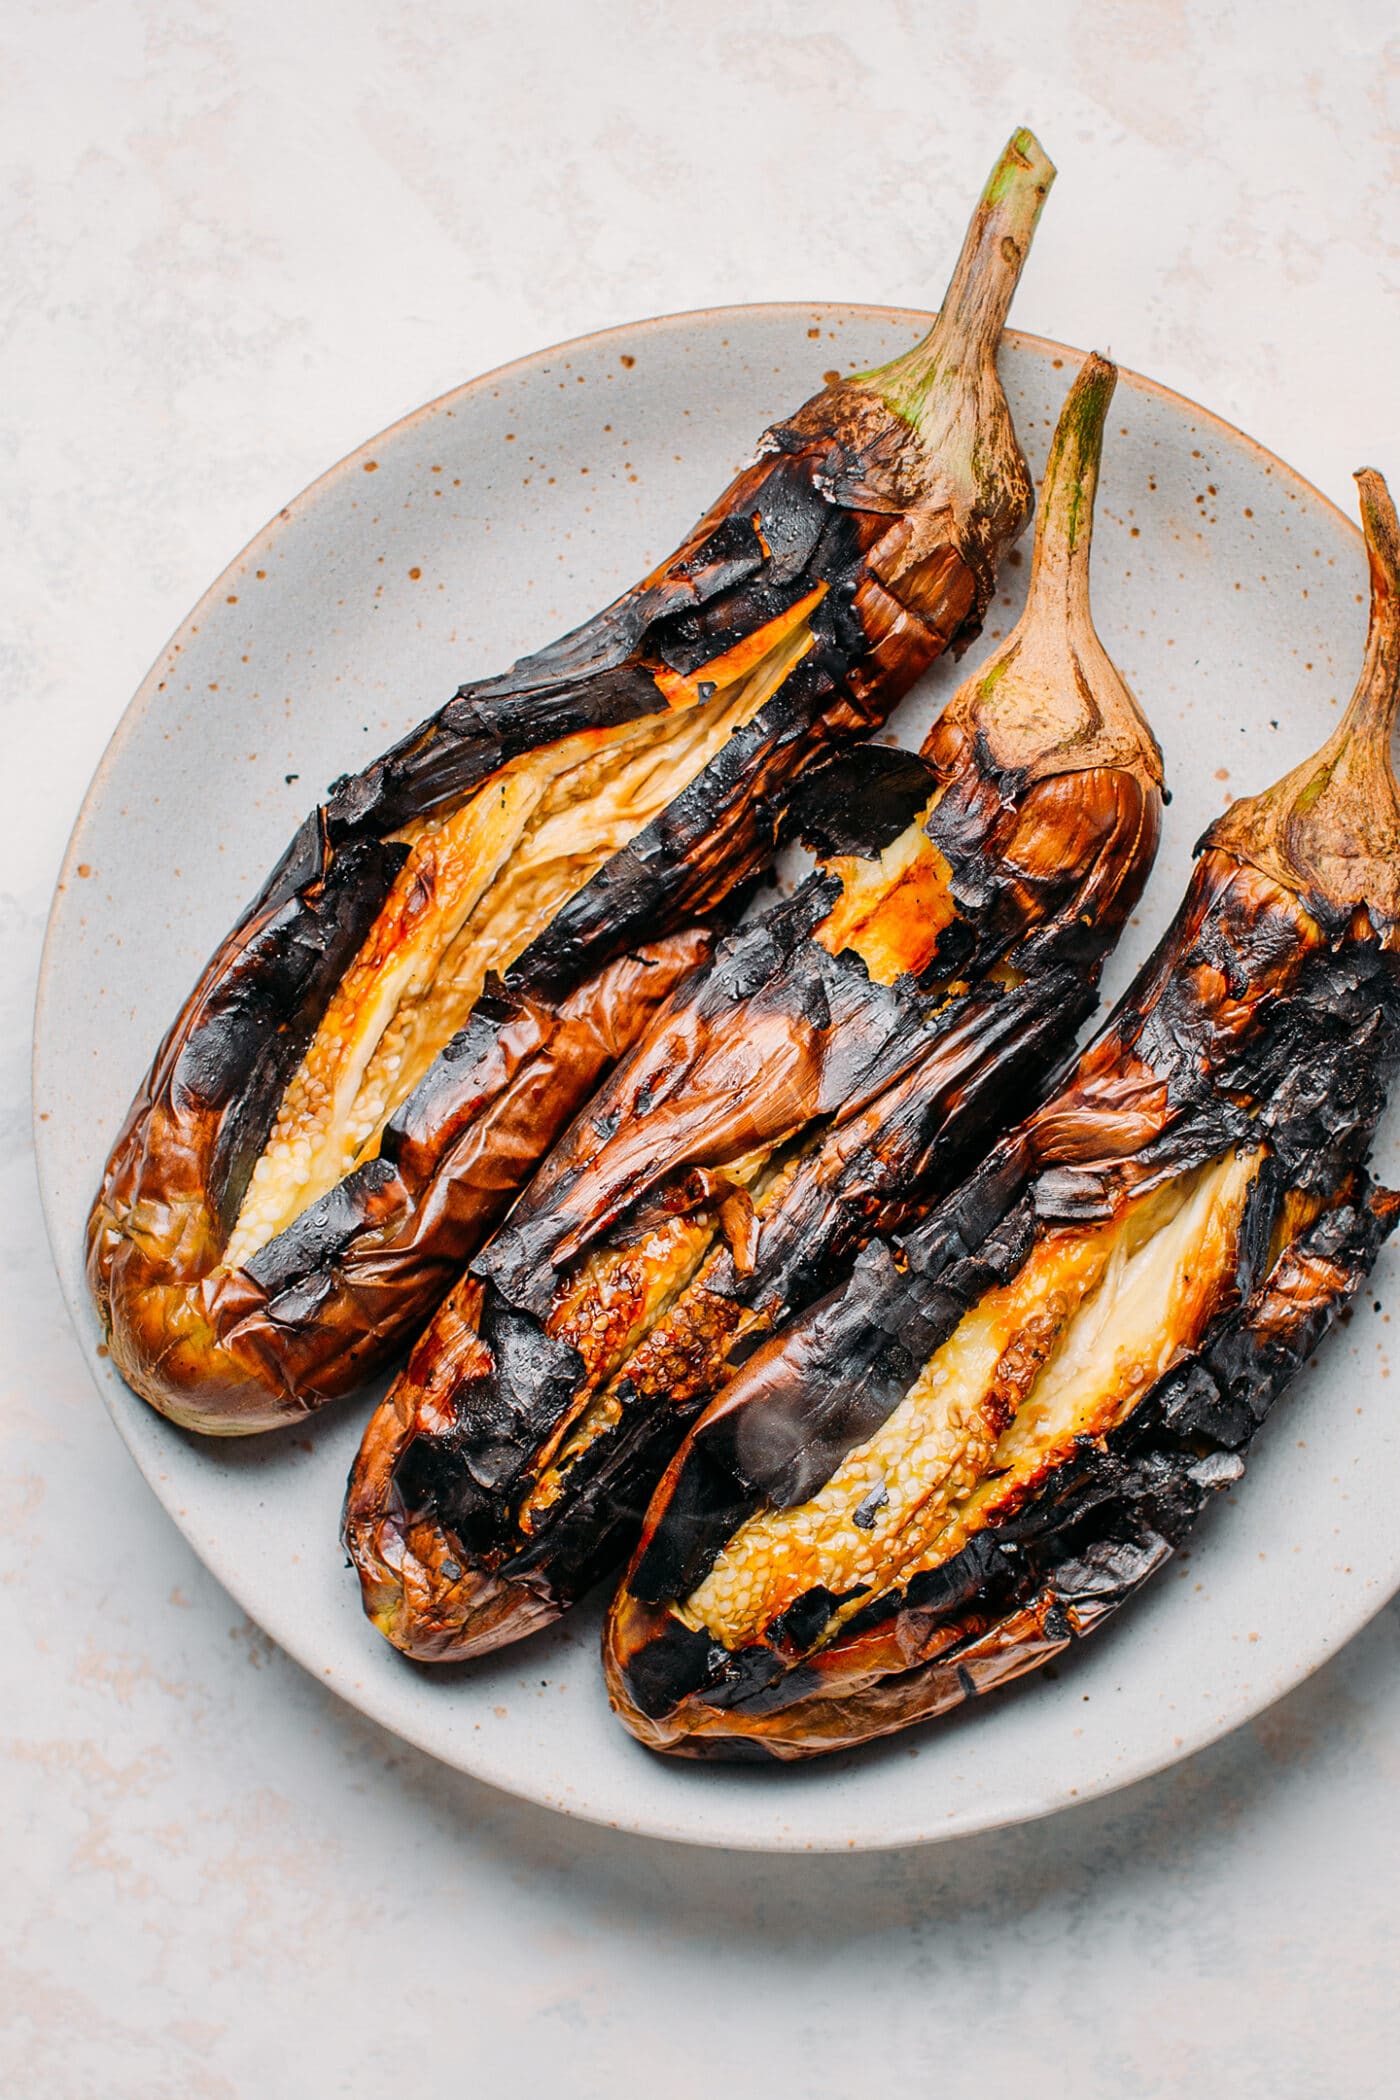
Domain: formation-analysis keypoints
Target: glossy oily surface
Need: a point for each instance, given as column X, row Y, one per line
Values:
column 1232, row 597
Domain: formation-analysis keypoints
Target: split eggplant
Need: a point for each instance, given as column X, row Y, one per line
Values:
column 824, row 1078
column 967, row 1458
column 460, row 941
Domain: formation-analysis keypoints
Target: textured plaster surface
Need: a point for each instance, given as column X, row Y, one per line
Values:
column 237, row 240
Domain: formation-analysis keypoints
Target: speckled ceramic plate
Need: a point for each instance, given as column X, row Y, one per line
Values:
column 1231, row 594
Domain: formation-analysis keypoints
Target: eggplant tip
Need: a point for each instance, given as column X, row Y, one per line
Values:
column 1024, row 148
column 1380, row 525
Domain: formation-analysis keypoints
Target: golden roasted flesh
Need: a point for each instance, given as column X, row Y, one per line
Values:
column 477, row 887
column 811, row 1086
column 994, row 1432
column 379, row 1053
column 1065, row 1350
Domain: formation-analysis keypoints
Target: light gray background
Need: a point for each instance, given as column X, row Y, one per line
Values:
column 239, row 238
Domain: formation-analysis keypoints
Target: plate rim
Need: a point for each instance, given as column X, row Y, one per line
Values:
column 711, row 1831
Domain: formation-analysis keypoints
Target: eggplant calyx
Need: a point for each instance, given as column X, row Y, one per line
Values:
column 1330, row 829
column 1050, row 700
column 954, row 448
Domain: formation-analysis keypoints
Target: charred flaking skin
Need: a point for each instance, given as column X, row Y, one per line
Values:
column 461, row 940
column 822, row 1080
column 944, row 1473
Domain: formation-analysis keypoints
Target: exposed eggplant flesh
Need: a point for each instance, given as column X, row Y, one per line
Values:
column 477, row 885
column 964, row 1459
column 282, row 1207
column 822, row 1079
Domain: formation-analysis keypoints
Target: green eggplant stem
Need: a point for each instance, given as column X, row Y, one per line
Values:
column 965, row 332
column 1060, row 564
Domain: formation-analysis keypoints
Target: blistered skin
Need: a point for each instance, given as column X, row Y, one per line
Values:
column 1008, row 1418
column 248, row 1347
column 987, row 1440
column 823, row 1080
column 1254, row 1046
column 857, row 1099
column 237, row 1347
column 1049, row 1575
column 283, row 1204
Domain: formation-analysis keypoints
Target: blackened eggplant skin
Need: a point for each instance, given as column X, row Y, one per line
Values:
column 860, row 544
column 1223, row 1116
column 826, row 1077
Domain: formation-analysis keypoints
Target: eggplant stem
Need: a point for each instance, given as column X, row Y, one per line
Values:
column 1330, row 829
column 1370, row 715
column 1060, row 562
column 1050, row 699
column 975, row 306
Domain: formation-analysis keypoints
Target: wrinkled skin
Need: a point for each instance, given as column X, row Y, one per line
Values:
column 824, row 1079
column 326, row 1306
column 878, row 513
column 1099, row 1527
column 891, row 1085
column 1266, row 1027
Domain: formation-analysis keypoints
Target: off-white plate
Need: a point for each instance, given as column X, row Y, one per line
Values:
column 1230, row 593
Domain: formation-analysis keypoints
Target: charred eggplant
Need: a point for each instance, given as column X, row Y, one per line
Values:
column 964, row 1460
column 823, row 1079
column 412, row 1008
